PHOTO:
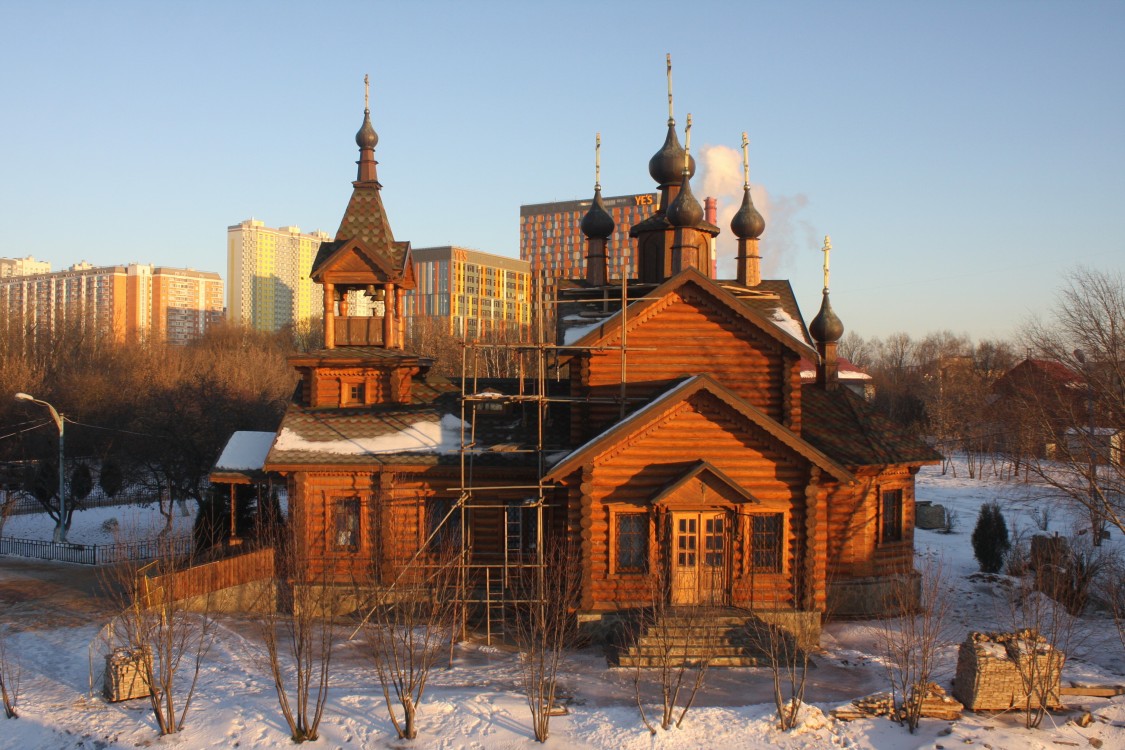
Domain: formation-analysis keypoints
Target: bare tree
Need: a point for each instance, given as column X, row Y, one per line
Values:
column 663, row 659
column 1043, row 632
column 299, row 635
column 155, row 622
column 9, row 676
column 406, row 627
column 1085, row 334
column 1113, row 594
column 788, row 655
column 912, row 636
column 545, row 628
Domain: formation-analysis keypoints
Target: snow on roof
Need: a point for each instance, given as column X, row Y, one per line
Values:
column 1097, row 432
column 789, row 324
column 426, row 436
column 245, row 451
column 570, row 335
column 841, row 374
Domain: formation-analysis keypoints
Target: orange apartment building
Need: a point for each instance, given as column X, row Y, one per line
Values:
column 130, row 302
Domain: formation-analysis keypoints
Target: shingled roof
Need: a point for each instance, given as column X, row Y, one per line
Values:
column 365, row 221
column 848, row 429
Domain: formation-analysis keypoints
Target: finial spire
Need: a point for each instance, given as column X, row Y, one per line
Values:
column 668, row 59
column 598, row 162
column 366, row 94
column 826, row 250
column 687, row 144
column 746, row 159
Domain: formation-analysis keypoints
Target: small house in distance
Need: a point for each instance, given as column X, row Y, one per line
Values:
column 664, row 436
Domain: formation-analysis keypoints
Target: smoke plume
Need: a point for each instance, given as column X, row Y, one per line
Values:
column 722, row 178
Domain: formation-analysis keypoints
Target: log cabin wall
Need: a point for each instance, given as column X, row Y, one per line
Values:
column 856, row 546
column 626, row 480
column 329, row 388
column 688, row 336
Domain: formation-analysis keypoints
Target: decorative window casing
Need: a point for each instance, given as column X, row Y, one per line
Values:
column 631, row 531
column 353, row 392
column 890, row 516
column 345, row 530
column 767, row 542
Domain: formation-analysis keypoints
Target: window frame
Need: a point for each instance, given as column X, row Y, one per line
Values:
column 778, row 543
column 342, row 507
column 644, row 534
column 892, row 531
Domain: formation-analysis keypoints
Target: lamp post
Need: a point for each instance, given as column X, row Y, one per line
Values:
column 60, row 529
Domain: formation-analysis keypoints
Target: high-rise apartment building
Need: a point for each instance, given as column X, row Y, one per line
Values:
column 552, row 242
column 129, row 303
column 268, row 275
column 473, row 291
column 22, row 267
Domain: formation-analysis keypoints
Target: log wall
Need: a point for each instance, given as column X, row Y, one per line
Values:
column 688, row 336
column 854, row 549
column 627, row 478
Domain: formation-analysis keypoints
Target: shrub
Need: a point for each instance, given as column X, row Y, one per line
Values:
column 990, row 538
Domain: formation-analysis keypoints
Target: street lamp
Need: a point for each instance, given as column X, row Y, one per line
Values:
column 60, row 529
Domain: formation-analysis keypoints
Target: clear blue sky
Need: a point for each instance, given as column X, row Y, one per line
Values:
column 962, row 155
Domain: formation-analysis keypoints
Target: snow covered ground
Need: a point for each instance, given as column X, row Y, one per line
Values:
column 477, row 703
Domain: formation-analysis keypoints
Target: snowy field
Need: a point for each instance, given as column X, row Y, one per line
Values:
column 478, row 704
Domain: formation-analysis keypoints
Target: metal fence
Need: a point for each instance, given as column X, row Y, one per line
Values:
column 95, row 554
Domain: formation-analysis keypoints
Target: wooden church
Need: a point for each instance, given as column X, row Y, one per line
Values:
column 667, row 439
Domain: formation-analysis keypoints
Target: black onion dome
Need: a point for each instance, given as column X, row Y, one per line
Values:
column 667, row 164
column 826, row 327
column 597, row 223
column 366, row 137
column 747, row 223
column 684, row 211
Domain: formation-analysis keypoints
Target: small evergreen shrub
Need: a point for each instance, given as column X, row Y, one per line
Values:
column 990, row 538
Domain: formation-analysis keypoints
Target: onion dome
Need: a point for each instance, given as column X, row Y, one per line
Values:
column 597, row 223
column 366, row 138
column 684, row 211
column 667, row 164
column 826, row 328
column 747, row 223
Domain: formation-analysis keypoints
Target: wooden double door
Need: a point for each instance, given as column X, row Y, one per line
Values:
column 700, row 544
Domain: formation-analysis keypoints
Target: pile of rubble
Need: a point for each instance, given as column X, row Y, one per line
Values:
column 936, row 704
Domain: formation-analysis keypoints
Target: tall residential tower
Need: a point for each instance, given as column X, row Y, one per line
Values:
column 268, row 275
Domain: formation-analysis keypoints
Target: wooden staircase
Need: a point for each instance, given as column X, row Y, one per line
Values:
column 718, row 636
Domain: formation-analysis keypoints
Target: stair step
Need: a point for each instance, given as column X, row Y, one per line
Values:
column 691, row 651
column 649, row 662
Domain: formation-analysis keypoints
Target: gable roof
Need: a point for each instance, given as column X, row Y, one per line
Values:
column 845, row 427
column 680, row 393
column 720, row 294
column 365, row 222
column 697, row 471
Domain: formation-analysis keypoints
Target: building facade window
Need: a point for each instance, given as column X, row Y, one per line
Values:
column 345, row 524
column 632, row 542
column 890, row 514
column 767, row 539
